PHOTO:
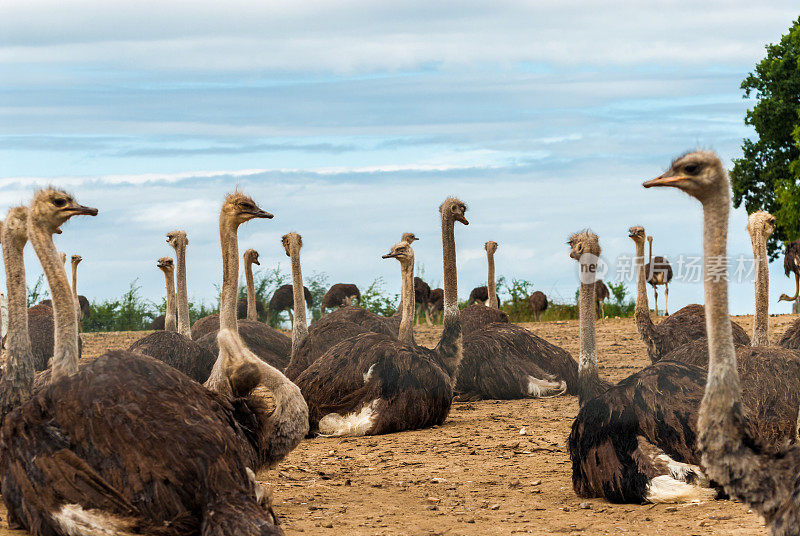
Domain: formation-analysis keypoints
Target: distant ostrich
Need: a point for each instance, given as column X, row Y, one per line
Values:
column 601, row 295
column 659, row 272
column 165, row 466
column 685, row 325
column 791, row 264
column 252, row 310
column 764, row 479
column 282, row 300
column 84, row 307
column 171, row 346
column 436, row 303
column 340, row 295
column 478, row 315
column 479, row 295
column 374, row 384
column 170, row 321
column 537, row 303
column 422, row 294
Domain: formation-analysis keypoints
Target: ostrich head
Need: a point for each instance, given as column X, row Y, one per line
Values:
column 637, row 234
column 490, row 247
column 251, row 256
column 62, row 255
column 454, row 209
column 402, row 251
column 165, row 264
column 583, row 243
column 408, row 238
column 239, row 208
column 699, row 174
column 51, row 208
column 177, row 239
column 291, row 241
column 76, row 259
column 761, row 224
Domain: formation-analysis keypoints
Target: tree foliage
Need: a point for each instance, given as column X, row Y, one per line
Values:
column 767, row 177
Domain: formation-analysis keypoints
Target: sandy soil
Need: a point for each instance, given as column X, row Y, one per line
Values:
column 495, row 467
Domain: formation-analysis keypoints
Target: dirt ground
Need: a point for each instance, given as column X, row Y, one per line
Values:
column 494, row 467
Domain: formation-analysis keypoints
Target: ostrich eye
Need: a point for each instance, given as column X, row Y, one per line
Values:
column 60, row 202
column 691, row 169
column 580, row 247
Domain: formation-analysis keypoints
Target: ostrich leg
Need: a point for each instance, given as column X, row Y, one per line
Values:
column 655, row 293
column 666, row 299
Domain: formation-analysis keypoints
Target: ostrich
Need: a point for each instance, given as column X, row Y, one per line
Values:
column 340, row 295
column 374, row 384
column 113, row 447
column 167, row 265
column 537, row 303
column 601, row 295
column 675, row 330
column 636, row 441
column 659, row 272
column 436, row 303
column 282, row 300
column 763, row 479
column 478, row 295
column 170, row 346
column 252, row 310
column 478, row 315
column 84, row 307
column 422, row 295
column 791, row 264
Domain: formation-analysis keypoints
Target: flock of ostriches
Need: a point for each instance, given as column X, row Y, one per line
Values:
column 166, row 438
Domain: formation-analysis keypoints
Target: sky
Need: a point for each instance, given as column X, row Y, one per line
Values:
column 351, row 121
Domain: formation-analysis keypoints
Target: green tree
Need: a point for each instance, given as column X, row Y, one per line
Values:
column 768, row 174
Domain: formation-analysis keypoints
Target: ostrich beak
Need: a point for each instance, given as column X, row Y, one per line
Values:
column 665, row 180
column 389, row 256
column 462, row 219
column 80, row 210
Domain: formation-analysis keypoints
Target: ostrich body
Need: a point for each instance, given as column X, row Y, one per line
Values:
column 791, row 264
column 478, row 295
column 436, row 302
column 113, row 447
column 422, row 295
column 340, row 295
column 282, row 300
column 374, row 384
column 659, row 272
column 675, row 330
column 477, row 315
column 762, row 478
column 537, row 303
column 601, row 295
column 171, row 346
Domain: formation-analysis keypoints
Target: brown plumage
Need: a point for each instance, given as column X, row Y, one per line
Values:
column 270, row 345
column 374, row 384
column 505, row 361
column 86, row 307
column 791, row 338
column 158, row 323
column 41, row 330
column 436, row 303
column 659, row 272
column 791, row 264
column 282, row 299
column 241, row 308
column 478, row 315
column 478, row 295
column 340, row 295
column 366, row 319
column 177, row 351
column 537, row 303
column 601, row 294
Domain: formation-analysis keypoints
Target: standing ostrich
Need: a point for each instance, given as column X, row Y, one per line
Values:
column 340, row 295
column 537, row 303
column 477, row 315
column 422, row 295
column 436, row 303
column 113, row 447
column 282, row 300
column 791, row 264
column 659, row 272
column 601, row 295
column 762, row 478
column 686, row 325
column 171, row 346
column 374, row 384
column 84, row 308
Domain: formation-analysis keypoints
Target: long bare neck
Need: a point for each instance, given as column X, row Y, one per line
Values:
column 406, row 333
column 252, row 312
column 17, row 381
column 170, row 322
column 299, row 325
column 449, row 348
column 650, row 253
column 230, row 275
column 588, row 375
column 490, row 284
column 644, row 324
column 761, row 320
column 184, row 326
column 75, row 280
column 65, row 350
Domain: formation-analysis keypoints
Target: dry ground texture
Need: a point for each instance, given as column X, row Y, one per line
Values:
column 495, row 467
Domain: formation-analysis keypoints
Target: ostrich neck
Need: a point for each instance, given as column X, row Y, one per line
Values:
column 170, row 322
column 230, row 275
column 761, row 320
column 183, row 296
column 449, row 349
column 75, row 280
column 299, row 325
column 252, row 312
column 18, row 379
column 490, row 284
column 642, row 312
column 406, row 332
column 722, row 389
column 587, row 363
column 65, row 348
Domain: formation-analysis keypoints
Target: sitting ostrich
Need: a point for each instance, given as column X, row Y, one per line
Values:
column 113, row 447
column 764, row 479
column 477, row 315
column 282, row 300
column 537, row 303
column 340, row 295
column 601, row 295
column 374, row 384
column 659, row 272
